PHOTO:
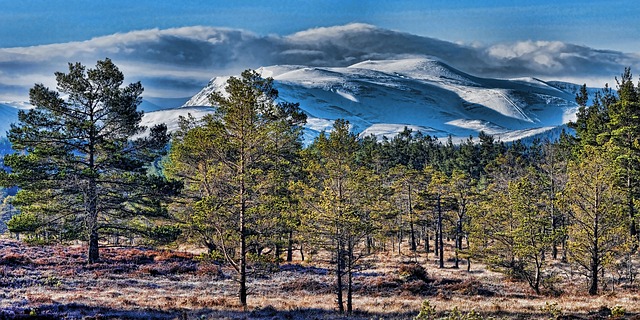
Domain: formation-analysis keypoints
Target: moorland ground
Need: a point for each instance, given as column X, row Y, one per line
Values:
column 52, row 282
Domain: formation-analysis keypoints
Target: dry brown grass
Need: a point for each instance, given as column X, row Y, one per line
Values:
column 141, row 283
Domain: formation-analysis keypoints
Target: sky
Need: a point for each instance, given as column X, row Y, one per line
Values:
column 175, row 47
column 599, row 24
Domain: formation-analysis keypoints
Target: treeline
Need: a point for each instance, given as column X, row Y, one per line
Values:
column 514, row 207
column 253, row 195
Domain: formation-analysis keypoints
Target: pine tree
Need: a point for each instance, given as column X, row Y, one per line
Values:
column 436, row 196
column 232, row 164
column 597, row 231
column 462, row 188
column 624, row 127
column 80, row 171
column 343, row 200
column 511, row 231
column 406, row 183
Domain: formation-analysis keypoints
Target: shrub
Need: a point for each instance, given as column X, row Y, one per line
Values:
column 427, row 312
column 209, row 269
column 14, row 259
column 213, row 256
column 413, row 271
column 618, row 311
column 552, row 309
column 52, row 281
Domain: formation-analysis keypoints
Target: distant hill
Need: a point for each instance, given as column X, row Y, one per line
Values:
column 383, row 97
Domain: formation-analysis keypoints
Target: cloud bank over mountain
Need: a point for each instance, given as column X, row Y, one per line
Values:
column 178, row 62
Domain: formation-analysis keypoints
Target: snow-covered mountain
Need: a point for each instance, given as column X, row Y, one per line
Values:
column 9, row 114
column 383, row 97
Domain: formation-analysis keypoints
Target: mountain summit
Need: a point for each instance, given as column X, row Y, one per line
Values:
column 382, row 97
column 385, row 96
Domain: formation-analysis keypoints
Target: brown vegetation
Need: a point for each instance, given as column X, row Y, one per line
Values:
column 56, row 282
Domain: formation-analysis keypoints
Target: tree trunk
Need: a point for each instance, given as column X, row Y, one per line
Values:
column 413, row 232
column 339, row 276
column 243, row 256
column 278, row 251
column 426, row 241
column 538, row 276
column 554, row 222
column 458, row 240
column 92, row 202
column 400, row 236
column 564, row 258
column 436, row 249
column 211, row 247
column 350, row 277
column 94, row 253
column 290, row 246
column 632, row 210
column 593, row 284
column 440, row 242
column 468, row 258
column 92, row 212
column 243, row 234
column 595, row 257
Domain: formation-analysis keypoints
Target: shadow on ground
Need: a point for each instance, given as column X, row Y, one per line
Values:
column 80, row 311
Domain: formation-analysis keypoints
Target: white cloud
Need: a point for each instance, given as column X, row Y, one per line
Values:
column 180, row 61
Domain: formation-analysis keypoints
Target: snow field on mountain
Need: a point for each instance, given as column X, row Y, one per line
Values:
column 384, row 97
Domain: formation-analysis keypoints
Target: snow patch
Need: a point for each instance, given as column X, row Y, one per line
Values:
column 347, row 95
column 382, row 97
column 390, row 130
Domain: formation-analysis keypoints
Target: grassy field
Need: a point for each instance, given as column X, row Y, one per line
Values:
column 54, row 282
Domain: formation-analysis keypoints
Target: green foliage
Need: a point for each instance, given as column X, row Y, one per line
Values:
column 456, row 314
column 345, row 200
column 235, row 165
column 427, row 312
column 164, row 234
column 552, row 309
column 79, row 169
column 214, row 256
column 24, row 222
column 597, row 235
column 618, row 311
column 52, row 281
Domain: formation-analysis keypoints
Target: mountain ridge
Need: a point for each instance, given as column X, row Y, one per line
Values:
column 381, row 97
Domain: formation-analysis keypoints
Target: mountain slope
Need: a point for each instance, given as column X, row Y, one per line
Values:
column 8, row 115
column 382, row 97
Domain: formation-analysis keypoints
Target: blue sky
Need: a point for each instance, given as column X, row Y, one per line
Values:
column 597, row 24
column 175, row 47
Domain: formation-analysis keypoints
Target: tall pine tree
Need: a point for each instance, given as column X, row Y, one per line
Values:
column 232, row 162
column 80, row 171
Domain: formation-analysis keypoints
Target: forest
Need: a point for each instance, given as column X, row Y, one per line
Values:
column 243, row 186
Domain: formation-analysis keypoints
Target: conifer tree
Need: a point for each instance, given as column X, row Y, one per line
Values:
column 511, row 231
column 462, row 188
column 343, row 200
column 624, row 127
column 406, row 183
column 80, row 170
column 232, row 163
column 597, row 231
column 437, row 195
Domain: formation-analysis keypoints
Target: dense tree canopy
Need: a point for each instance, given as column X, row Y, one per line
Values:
column 251, row 189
